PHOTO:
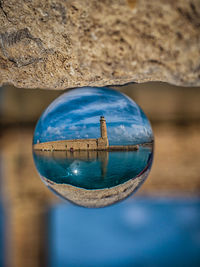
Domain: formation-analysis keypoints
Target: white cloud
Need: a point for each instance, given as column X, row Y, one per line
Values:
column 54, row 131
column 73, row 128
column 127, row 134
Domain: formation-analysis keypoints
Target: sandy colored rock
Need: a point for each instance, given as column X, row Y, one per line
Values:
column 61, row 44
column 100, row 197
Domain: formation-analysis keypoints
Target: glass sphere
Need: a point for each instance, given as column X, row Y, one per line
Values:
column 93, row 146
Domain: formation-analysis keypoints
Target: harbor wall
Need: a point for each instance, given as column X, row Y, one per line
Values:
column 77, row 144
column 82, row 144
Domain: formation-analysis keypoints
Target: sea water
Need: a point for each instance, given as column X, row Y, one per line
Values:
column 92, row 169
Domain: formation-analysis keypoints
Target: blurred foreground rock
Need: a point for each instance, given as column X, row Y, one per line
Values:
column 61, row 44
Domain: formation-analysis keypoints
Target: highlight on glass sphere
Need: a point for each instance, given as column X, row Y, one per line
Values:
column 93, row 146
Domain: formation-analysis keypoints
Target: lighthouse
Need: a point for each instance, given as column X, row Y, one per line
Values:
column 103, row 128
column 103, row 141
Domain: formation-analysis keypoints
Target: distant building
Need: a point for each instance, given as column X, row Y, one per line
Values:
column 97, row 144
column 79, row 144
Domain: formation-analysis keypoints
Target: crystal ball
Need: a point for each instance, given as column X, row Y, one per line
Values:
column 93, row 146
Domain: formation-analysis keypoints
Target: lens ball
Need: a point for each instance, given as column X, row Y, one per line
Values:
column 93, row 146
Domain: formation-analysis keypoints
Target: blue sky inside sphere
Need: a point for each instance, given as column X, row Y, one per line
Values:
column 76, row 114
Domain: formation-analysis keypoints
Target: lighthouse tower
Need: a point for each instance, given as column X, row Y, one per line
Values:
column 104, row 137
column 103, row 128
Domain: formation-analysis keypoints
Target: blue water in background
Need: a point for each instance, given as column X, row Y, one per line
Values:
column 137, row 232
column 1, row 237
column 120, row 167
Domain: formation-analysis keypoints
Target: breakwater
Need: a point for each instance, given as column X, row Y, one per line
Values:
column 78, row 145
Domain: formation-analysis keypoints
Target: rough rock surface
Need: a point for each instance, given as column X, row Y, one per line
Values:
column 59, row 44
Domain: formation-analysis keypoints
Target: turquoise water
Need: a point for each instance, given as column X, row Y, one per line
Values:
column 92, row 170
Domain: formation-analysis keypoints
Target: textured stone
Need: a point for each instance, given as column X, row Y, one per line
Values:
column 61, row 44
